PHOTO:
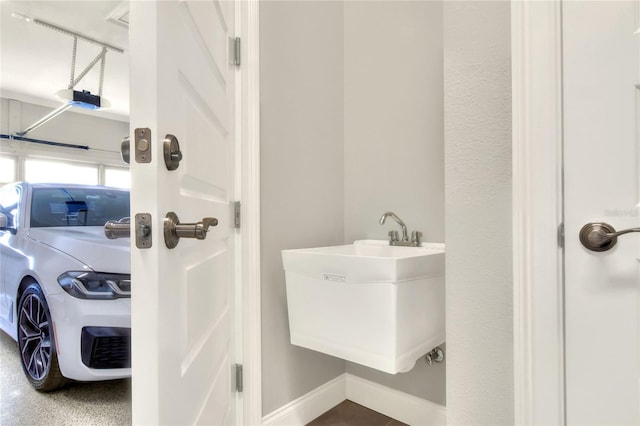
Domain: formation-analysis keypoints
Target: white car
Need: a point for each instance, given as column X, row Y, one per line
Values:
column 65, row 289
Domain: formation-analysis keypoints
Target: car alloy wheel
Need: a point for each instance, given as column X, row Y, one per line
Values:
column 36, row 341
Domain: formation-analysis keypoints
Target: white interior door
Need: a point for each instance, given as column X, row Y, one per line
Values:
column 602, row 289
column 183, row 340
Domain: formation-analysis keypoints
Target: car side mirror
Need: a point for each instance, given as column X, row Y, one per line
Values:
column 4, row 224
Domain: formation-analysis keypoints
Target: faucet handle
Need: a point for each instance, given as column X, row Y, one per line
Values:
column 416, row 237
column 393, row 236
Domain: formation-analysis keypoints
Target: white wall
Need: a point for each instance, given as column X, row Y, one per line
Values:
column 394, row 139
column 301, row 174
column 393, row 117
column 477, row 86
column 102, row 135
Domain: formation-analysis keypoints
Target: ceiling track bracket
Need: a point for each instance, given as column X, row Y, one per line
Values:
column 71, row 97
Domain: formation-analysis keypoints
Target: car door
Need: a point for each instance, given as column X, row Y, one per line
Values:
column 4, row 307
column 9, row 239
column 183, row 317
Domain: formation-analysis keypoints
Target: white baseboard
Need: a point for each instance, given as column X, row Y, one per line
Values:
column 390, row 402
column 309, row 406
column 396, row 404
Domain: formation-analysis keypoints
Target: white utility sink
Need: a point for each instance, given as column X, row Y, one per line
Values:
column 367, row 302
column 368, row 261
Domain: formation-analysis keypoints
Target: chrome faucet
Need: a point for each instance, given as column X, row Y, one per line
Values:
column 394, row 240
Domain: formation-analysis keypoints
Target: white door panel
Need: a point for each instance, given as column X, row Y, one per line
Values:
column 183, row 317
column 602, row 290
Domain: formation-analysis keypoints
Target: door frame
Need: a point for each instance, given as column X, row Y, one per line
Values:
column 538, row 300
column 538, row 311
column 248, row 300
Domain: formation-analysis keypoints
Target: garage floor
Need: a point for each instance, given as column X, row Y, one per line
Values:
column 96, row 403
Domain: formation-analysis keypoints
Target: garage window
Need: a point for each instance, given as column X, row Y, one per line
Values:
column 118, row 177
column 39, row 170
column 7, row 169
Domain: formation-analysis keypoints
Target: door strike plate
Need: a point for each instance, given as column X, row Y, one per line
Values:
column 143, row 145
column 143, row 230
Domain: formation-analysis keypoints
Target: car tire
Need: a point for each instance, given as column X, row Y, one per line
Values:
column 36, row 341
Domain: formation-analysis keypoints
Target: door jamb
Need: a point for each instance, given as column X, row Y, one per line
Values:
column 539, row 380
column 537, row 212
column 250, row 301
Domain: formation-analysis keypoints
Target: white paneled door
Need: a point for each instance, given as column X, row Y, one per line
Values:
column 183, row 316
column 601, row 145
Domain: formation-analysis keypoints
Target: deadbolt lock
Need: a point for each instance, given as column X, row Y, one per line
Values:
column 172, row 154
column 125, row 150
column 174, row 230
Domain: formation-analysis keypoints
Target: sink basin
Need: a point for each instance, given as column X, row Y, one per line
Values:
column 378, row 305
column 368, row 261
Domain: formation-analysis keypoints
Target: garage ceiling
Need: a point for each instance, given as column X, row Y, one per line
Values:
column 35, row 62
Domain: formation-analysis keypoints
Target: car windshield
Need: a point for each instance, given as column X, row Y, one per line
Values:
column 77, row 206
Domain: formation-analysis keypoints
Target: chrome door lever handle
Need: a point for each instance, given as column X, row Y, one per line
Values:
column 122, row 229
column 114, row 229
column 174, row 230
column 600, row 236
column 196, row 230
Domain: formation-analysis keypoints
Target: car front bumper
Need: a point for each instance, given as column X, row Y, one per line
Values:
column 99, row 329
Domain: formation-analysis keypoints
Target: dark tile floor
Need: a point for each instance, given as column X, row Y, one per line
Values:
column 349, row 413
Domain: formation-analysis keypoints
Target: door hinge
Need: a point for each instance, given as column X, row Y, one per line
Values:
column 239, row 378
column 237, row 52
column 237, row 207
column 561, row 235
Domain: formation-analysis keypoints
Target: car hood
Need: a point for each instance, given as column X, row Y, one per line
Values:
column 89, row 245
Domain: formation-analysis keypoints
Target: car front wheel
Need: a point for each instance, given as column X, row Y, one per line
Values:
column 36, row 341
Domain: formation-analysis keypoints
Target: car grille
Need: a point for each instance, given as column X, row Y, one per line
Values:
column 106, row 347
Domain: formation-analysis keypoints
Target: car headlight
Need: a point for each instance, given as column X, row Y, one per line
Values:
column 95, row 285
